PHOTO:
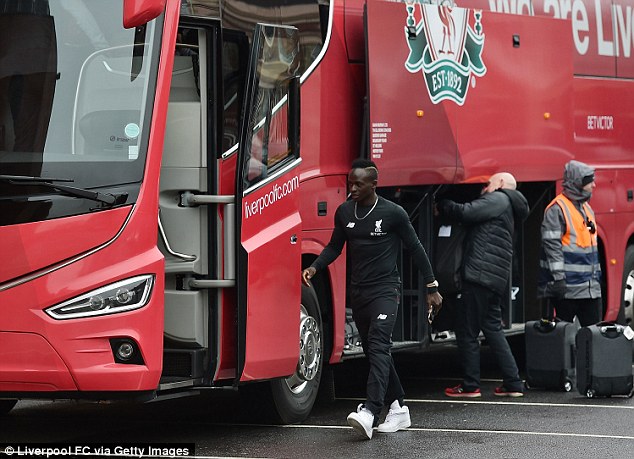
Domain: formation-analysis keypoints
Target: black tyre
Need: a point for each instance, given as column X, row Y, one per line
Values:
column 327, row 393
column 6, row 406
column 294, row 397
column 627, row 297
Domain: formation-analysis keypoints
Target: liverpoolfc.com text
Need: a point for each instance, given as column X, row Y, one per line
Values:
column 277, row 193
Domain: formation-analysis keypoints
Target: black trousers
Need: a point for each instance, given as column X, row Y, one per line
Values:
column 587, row 310
column 480, row 309
column 374, row 311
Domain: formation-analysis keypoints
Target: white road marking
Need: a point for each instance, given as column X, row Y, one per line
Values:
column 506, row 402
column 481, row 431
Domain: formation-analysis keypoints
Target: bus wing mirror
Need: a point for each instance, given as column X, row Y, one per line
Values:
column 139, row 12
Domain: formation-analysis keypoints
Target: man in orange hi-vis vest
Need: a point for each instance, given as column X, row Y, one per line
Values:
column 570, row 272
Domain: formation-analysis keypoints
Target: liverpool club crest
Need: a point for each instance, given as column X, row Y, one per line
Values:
column 445, row 47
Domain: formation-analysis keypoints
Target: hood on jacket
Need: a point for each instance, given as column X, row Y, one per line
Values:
column 574, row 172
column 519, row 204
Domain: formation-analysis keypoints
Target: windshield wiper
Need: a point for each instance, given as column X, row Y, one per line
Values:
column 105, row 198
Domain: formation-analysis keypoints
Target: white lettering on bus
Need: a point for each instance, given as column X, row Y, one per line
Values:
column 580, row 28
column 615, row 38
column 511, row 6
column 624, row 26
column 605, row 47
column 278, row 192
column 600, row 122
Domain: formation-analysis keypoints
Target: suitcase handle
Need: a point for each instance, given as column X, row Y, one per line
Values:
column 610, row 329
column 545, row 325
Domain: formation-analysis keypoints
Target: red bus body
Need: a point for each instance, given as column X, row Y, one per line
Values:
column 219, row 301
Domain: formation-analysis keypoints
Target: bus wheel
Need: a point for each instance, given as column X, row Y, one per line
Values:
column 294, row 396
column 628, row 286
column 6, row 406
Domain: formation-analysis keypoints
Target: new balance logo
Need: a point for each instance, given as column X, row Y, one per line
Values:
column 382, row 316
column 350, row 225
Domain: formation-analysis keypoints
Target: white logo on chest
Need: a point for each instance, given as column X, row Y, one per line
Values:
column 378, row 228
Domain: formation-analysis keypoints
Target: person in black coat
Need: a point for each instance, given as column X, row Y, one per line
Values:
column 485, row 272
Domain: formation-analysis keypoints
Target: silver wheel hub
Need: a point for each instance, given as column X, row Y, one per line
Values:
column 309, row 353
column 309, row 348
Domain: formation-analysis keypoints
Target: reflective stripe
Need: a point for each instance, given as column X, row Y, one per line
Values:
column 590, row 289
column 577, row 249
column 555, row 266
column 551, row 235
column 570, row 268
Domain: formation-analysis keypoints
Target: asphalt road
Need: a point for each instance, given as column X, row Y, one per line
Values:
column 540, row 425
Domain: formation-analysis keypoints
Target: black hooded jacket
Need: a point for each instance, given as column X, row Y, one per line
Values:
column 489, row 244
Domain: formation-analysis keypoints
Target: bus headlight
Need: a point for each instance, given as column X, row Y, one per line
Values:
column 121, row 296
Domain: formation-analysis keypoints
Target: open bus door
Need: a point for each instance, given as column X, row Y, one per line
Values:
column 268, row 257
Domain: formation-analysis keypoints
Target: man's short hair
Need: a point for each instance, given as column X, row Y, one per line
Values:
column 368, row 165
column 362, row 163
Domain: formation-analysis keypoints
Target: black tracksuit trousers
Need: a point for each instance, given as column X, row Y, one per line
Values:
column 374, row 310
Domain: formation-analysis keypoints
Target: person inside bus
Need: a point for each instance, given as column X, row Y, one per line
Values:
column 28, row 72
column 491, row 219
column 570, row 272
column 373, row 228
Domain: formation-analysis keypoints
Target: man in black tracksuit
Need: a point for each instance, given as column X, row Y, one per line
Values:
column 485, row 277
column 373, row 228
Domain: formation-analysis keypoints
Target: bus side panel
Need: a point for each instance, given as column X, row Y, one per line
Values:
column 439, row 119
column 604, row 121
column 517, row 117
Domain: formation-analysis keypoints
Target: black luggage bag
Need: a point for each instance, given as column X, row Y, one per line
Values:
column 604, row 361
column 448, row 247
column 550, row 354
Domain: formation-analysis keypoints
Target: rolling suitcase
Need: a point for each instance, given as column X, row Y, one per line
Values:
column 550, row 354
column 604, row 360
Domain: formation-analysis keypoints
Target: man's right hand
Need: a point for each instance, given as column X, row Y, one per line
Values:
column 307, row 274
column 557, row 289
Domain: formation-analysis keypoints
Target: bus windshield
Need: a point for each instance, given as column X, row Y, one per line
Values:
column 76, row 90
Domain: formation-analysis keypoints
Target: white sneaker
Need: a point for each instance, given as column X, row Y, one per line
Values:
column 397, row 419
column 362, row 421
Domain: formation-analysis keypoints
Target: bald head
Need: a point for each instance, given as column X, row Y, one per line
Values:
column 500, row 180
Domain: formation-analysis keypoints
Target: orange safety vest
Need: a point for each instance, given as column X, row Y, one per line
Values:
column 576, row 226
column 581, row 257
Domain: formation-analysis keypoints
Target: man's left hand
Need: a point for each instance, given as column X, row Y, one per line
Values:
column 434, row 302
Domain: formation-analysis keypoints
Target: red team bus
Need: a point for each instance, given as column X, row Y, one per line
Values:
column 162, row 186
